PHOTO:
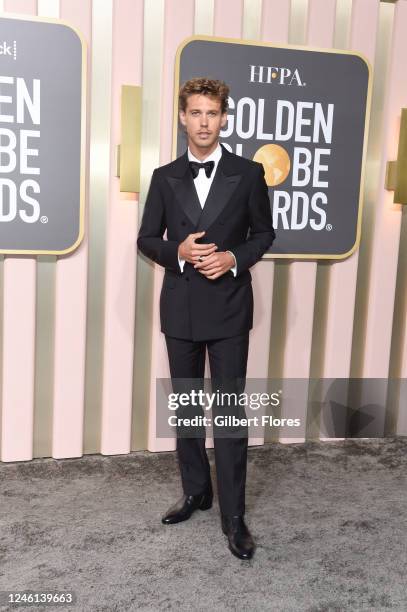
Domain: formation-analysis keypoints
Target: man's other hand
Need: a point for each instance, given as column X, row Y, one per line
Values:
column 190, row 251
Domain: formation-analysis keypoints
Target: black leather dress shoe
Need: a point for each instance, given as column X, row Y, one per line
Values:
column 184, row 507
column 241, row 543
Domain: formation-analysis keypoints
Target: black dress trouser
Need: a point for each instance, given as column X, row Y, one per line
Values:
column 228, row 363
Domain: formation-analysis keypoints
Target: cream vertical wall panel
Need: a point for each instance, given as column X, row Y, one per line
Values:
column 298, row 22
column 302, row 274
column 48, row 8
column 153, row 62
column 252, row 10
column 178, row 24
column 153, row 28
column 342, row 275
column 342, row 25
column 204, row 11
column 71, row 298
column 99, row 173
column 386, row 239
column 18, row 350
column 121, row 232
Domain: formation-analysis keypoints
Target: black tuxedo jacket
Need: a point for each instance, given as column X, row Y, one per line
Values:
column 236, row 217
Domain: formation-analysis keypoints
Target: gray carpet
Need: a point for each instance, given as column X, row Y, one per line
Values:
column 329, row 519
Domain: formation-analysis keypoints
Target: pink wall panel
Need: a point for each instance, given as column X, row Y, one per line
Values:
column 18, row 336
column 122, row 211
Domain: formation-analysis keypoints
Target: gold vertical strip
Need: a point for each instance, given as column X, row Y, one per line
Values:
column 129, row 156
column 150, row 159
column 298, row 22
column 372, row 176
column 251, row 19
column 99, row 174
column 204, row 12
column 44, row 324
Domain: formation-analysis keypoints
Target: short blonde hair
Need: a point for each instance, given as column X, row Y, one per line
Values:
column 206, row 87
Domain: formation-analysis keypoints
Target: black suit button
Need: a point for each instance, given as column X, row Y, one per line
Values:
column 187, row 278
column 183, row 223
column 221, row 223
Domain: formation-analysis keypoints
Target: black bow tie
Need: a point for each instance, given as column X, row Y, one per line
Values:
column 195, row 167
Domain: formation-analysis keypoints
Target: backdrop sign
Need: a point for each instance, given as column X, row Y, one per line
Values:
column 303, row 113
column 42, row 136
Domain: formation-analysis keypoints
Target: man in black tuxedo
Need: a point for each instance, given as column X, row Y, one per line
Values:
column 216, row 210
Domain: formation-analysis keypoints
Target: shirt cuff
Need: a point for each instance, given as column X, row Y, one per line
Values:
column 234, row 269
column 181, row 263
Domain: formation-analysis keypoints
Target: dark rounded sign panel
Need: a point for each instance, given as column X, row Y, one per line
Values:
column 303, row 113
column 42, row 135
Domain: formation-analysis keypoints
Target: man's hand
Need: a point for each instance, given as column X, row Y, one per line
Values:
column 216, row 264
column 190, row 251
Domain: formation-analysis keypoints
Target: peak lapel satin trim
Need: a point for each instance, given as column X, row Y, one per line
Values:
column 222, row 188
column 186, row 195
column 219, row 195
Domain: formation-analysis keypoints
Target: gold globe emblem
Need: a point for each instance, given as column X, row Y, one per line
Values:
column 276, row 163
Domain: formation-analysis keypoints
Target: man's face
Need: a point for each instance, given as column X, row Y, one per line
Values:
column 203, row 120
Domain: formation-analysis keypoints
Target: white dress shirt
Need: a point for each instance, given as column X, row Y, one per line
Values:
column 203, row 184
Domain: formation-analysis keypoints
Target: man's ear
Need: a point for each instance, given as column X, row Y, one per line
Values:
column 224, row 119
column 181, row 116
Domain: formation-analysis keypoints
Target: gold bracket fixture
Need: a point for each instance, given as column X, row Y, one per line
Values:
column 128, row 152
column 396, row 171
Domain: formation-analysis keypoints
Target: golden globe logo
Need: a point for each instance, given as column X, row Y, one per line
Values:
column 276, row 163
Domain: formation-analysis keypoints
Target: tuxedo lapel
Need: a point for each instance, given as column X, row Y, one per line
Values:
column 222, row 188
column 187, row 197
column 223, row 185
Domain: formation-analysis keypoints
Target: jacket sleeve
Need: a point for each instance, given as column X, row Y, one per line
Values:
column 262, row 233
column 153, row 225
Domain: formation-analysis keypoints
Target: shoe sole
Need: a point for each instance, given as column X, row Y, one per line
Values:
column 238, row 556
column 234, row 552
